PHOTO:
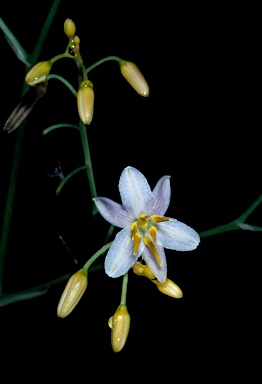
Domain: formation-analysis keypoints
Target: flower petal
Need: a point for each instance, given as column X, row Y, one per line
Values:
column 120, row 257
column 161, row 196
column 176, row 235
column 135, row 192
column 113, row 212
column 160, row 271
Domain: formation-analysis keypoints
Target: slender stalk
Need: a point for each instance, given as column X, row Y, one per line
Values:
column 220, row 229
column 56, row 126
column 63, row 80
column 65, row 180
column 88, row 163
column 96, row 255
column 248, row 212
column 41, row 39
column 102, row 61
column 124, row 289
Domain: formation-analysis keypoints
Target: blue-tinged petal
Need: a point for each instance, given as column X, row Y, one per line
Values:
column 176, row 235
column 120, row 258
column 161, row 196
column 135, row 192
column 160, row 271
column 113, row 212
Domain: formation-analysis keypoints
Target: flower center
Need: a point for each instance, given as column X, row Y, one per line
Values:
column 143, row 223
column 146, row 225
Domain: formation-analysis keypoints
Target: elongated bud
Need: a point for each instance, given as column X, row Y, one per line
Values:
column 169, row 288
column 143, row 270
column 120, row 324
column 135, row 78
column 69, row 28
column 38, row 73
column 73, row 292
column 85, row 101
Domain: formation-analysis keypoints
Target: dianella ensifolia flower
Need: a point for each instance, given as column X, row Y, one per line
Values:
column 146, row 231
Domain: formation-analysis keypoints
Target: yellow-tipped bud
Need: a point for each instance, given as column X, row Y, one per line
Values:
column 85, row 101
column 135, row 78
column 38, row 73
column 169, row 288
column 120, row 324
column 73, row 292
column 143, row 270
column 69, row 28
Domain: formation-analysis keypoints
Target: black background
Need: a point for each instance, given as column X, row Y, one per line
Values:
column 200, row 125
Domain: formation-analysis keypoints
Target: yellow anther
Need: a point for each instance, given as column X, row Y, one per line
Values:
column 137, row 240
column 159, row 219
column 142, row 217
column 152, row 248
column 152, row 232
column 133, row 229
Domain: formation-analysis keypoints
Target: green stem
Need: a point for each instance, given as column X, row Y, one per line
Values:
column 67, row 84
column 40, row 42
column 220, row 229
column 96, row 255
column 124, row 289
column 88, row 163
column 102, row 61
column 248, row 212
column 236, row 224
column 65, row 180
column 109, row 233
column 56, row 126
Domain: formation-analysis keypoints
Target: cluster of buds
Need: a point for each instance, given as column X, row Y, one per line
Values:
column 85, row 95
column 120, row 321
column 73, row 47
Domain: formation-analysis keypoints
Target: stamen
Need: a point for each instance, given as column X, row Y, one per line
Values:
column 142, row 217
column 152, row 232
column 159, row 219
column 137, row 240
column 153, row 249
column 133, row 229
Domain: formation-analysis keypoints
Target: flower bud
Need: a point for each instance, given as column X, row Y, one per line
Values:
column 38, row 73
column 69, row 28
column 73, row 292
column 85, row 101
column 143, row 270
column 169, row 288
column 120, row 324
column 135, row 78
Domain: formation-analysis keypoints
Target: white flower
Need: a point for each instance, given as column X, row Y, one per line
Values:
column 146, row 232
